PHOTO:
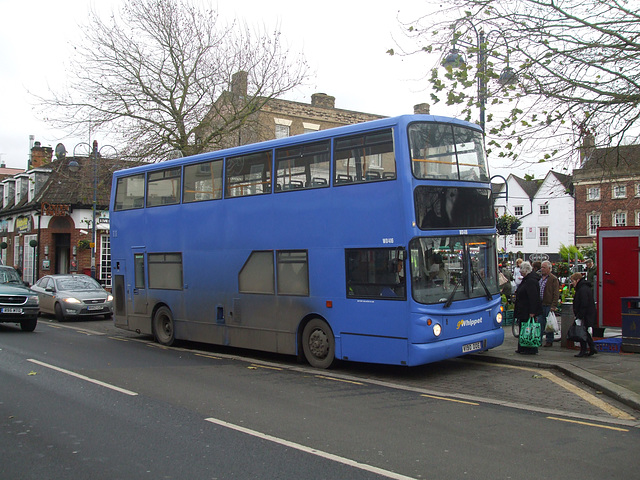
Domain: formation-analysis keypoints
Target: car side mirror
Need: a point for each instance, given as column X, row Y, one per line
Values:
column 49, row 289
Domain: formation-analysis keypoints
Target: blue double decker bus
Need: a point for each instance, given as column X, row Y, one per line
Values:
column 372, row 242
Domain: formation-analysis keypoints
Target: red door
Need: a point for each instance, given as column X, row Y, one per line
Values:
column 618, row 272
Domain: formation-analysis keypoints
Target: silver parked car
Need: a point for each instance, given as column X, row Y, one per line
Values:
column 73, row 296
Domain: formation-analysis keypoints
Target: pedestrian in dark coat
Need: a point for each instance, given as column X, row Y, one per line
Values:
column 584, row 309
column 528, row 303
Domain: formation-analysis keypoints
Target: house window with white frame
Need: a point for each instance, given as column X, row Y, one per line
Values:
column 544, row 236
column 310, row 127
column 593, row 193
column 283, row 127
column 619, row 191
column 544, row 209
column 620, row 219
column 518, row 211
column 637, row 217
column 593, row 221
column 637, row 189
column 518, row 240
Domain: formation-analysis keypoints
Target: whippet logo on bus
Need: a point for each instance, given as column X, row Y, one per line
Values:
column 468, row 323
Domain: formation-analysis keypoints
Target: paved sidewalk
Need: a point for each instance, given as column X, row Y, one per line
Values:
column 615, row 374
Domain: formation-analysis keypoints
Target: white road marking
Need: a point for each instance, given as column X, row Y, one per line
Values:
column 312, row 451
column 82, row 377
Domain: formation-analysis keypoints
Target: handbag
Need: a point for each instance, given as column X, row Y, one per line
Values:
column 530, row 334
column 577, row 333
column 552, row 323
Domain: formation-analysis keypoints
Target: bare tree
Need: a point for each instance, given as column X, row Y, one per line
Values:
column 158, row 76
column 577, row 64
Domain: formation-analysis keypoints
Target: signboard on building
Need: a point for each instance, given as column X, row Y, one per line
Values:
column 23, row 224
column 55, row 209
column 538, row 257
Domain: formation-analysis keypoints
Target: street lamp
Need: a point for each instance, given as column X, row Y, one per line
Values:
column 455, row 60
column 74, row 166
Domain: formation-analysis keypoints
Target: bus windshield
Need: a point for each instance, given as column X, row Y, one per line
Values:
column 447, row 152
column 445, row 269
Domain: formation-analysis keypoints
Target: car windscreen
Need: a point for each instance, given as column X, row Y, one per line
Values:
column 77, row 284
column 9, row 276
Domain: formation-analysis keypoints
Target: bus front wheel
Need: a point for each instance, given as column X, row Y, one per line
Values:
column 318, row 344
column 163, row 326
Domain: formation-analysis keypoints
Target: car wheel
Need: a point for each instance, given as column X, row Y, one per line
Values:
column 29, row 325
column 59, row 313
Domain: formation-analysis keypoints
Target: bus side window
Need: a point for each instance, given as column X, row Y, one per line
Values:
column 365, row 158
column 202, row 181
column 138, row 262
column 293, row 272
column 375, row 273
column 303, row 166
column 129, row 192
column 248, row 175
column 257, row 274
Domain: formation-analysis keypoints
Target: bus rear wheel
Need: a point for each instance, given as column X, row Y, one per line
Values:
column 318, row 344
column 163, row 326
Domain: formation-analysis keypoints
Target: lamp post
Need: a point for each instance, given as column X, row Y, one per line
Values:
column 455, row 59
column 74, row 167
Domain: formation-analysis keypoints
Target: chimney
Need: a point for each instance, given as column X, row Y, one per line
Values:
column 239, row 82
column 323, row 100
column 421, row 108
column 40, row 155
column 588, row 146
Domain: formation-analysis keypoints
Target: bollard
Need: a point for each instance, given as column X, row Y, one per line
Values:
column 566, row 320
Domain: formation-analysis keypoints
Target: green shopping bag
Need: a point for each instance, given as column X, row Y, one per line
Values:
column 530, row 334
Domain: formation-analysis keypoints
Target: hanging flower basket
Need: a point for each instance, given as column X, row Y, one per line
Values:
column 507, row 224
column 84, row 244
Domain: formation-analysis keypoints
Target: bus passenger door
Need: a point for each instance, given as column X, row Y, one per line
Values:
column 138, row 289
column 119, row 275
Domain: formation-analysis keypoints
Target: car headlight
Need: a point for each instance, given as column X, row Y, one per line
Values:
column 109, row 298
column 71, row 300
column 33, row 300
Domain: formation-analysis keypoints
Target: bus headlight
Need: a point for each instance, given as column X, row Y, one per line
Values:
column 499, row 318
column 437, row 329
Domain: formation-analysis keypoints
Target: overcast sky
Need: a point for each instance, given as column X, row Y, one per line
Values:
column 345, row 43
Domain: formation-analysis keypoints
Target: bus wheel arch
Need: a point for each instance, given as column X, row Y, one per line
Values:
column 163, row 325
column 317, row 342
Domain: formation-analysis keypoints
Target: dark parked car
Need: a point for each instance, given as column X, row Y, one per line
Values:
column 18, row 303
column 73, row 296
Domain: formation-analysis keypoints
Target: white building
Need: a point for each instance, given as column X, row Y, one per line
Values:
column 545, row 209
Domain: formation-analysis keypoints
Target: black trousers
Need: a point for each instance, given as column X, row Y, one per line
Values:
column 583, row 344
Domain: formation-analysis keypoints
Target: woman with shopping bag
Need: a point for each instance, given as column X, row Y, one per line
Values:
column 527, row 308
column 584, row 309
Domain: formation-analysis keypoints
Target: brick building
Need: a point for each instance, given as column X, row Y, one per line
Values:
column 607, row 189
column 276, row 118
column 46, row 216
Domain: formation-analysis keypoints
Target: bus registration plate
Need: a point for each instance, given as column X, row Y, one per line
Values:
column 471, row 347
column 11, row 310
